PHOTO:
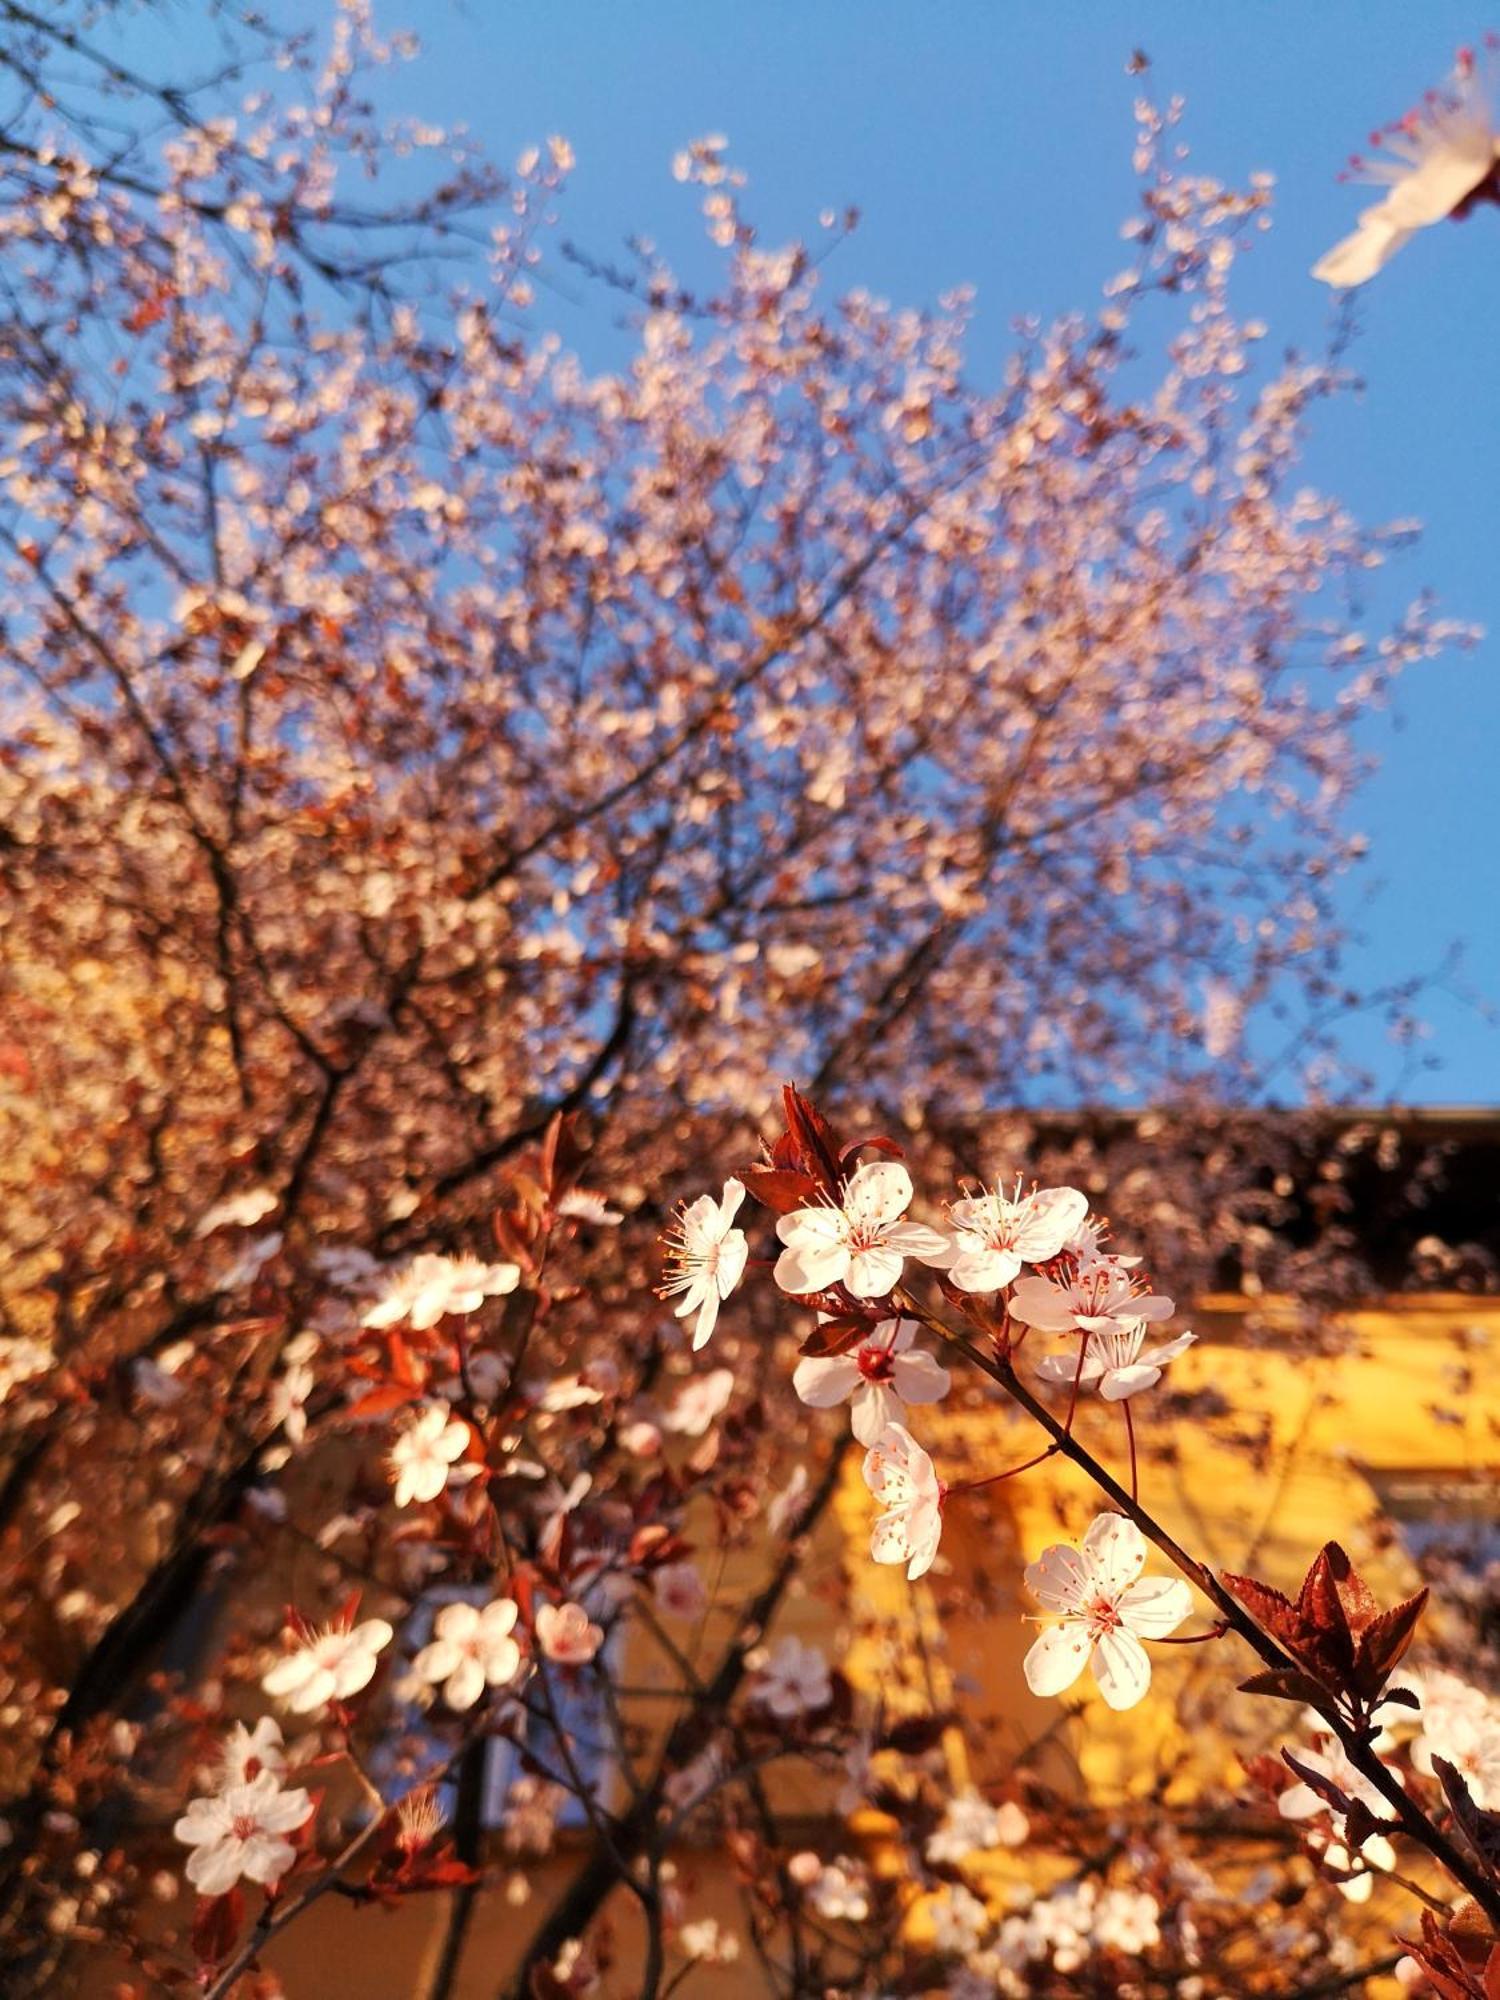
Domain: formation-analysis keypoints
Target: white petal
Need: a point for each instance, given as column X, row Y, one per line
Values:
column 1117, row 1549
column 983, row 1270
column 213, row 1870
column 1357, row 257
column 1064, row 1367
column 1059, row 1579
column 811, row 1265
column 878, row 1192
column 465, row 1684
column 1036, row 1303
column 915, row 1239
column 889, row 1542
column 871, row 1411
column 873, row 1274
column 821, row 1381
column 1056, row 1660
column 1156, row 1606
column 1121, row 1383
column 733, row 1252
column 1121, row 1668
column 920, row 1379
column 1052, row 1215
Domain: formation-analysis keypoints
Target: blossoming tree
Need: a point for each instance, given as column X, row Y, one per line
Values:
column 425, row 761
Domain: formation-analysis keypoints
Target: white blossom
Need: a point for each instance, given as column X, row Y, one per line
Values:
column 241, row 1831
column 431, row 1286
column 877, row 1379
column 793, row 1679
column 705, row 1258
column 995, row 1234
column 424, row 1457
column 471, row 1649
column 902, row 1478
column 862, row 1243
column 1117, row 1363
column 330, row 1665
column 1104, row 1608
column 1436, row 158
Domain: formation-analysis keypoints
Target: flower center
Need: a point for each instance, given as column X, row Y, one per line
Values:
column 1103, row 1616
column 876, row 1364
column 244, row 1826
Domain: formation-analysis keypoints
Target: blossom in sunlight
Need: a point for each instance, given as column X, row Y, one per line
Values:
column 793, row 1679
column 566, row 1634
column 1099, row 1298
column 1461, row 1725
column 862, row 1243
column 903, row 1479
column 242, row 1832
column 1117, row 1363
column 705, row 1257
column 679, row 1590
column 471, row 1649
column 699, row 1403
column 995, row 1234
column 1438, row 160
column 424, row 1457
column 286, row 1405
column 430, row 1286
column 877, row 1379
column 329, row 1665
column 1104, row 1608
column 971, row 1825
column 241, row 1211
column 840, row 1892
column 248, row 1752
column 581, row 1205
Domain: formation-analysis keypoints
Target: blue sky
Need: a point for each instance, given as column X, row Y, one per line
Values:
column 988, row 142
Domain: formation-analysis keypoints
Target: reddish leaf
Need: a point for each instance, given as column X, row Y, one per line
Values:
column 216, row 1925
column 838, row 1334
column 814, row 1136
column 1270, row 1610
column 780, row 1188
column 1384, row 1640
column 1480, row 1828
column 378, row 1401
column 1286, row 1685
column 1326, row 1789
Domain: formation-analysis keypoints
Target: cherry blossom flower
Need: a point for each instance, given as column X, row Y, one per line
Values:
column 793, row 1679
column 1104, row 1609
column 678, row 1590
column 1099, row 1298
column 902, row 1478
column 699, row 1403
column 1118, row 1364
column 705, row 1258
column 995, row 1234
column 565, row 1634
column 840, row 1892
column 424, row 1457
column 286, row 1405
column 971, row 1825
column 330, row 1665
column 877, row 1379
column 242, row 1832
column 241, row 1211
column 1461, row 1725
column 471, row 1649
column 863, row 1243
column 1438, row 158
column 583, row 1206
column 431, row 1286
column 248, row 1752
